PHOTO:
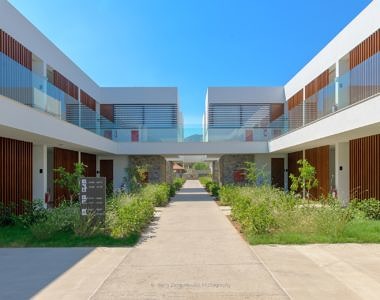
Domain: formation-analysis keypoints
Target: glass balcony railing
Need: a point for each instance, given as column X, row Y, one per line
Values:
column 29, row 88
column 320, row 104
column 358, row 84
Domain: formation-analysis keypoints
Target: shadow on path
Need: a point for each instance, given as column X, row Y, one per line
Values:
column 26, row 271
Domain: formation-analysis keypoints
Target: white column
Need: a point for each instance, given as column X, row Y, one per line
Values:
column 39, row 171
column 342, row 171
column 97, row 166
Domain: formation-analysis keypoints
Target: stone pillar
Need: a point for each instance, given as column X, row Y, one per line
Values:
column 230, row 163
column 169, row 171
column 156, row 164
column 216, row 171
column 40, row 171
column 342, row 171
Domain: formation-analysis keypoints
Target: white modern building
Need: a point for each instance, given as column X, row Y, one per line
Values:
column 52, row 114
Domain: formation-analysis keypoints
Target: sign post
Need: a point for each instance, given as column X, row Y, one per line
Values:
column 92, row 197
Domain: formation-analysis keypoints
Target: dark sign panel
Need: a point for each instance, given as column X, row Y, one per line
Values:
column 92, row 197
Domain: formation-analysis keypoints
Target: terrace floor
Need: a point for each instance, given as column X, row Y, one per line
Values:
column 192, row 251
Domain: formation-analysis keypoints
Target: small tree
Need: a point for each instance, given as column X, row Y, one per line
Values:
column 70, row 181
column 306, row 179
column 255, row 176
column 136, row 177
column 200, row 166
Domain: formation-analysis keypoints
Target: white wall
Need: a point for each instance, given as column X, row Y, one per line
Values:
column 342, row 171
column 36, row 126
column 119, row 165
column 263, row 161
column 251, row 94
column 140, row 95
column 366, row 23
column 192, row 148
column 39, row 179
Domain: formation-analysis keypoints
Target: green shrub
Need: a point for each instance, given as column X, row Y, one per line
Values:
column 7, row 216
column 178, row 183
column 370, row 207
column 158, row 193
column 88, row 226
column 63, row 218
column 227, row 194
column 214, row 189
column 204, row 180
column 266, row 211
column 201, row 166
column 34, row 212
column 123, row 221
column 129, row 214
column 172, row 189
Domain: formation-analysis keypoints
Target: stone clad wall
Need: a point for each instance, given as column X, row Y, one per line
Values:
column 156, row 163
column 169, row 171
column 215, row 171
column 230, row 163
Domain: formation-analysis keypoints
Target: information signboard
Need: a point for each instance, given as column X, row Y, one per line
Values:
column 92, row 197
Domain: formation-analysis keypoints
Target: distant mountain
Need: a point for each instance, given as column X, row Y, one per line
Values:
column 194, row 138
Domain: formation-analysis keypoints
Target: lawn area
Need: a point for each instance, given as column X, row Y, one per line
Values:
column 266, row 215
column 364, row 231
column 18, row 236
column 126, row 216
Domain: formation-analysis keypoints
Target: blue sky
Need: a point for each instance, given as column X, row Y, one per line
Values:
column 190, row 44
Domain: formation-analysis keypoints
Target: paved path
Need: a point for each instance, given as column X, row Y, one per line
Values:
column 192, row 252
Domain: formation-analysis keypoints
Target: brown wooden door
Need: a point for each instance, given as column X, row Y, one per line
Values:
column 106, row 169
column 90, row 161
column 277, row 171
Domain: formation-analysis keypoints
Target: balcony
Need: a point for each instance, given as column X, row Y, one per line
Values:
column 357, row 85
column 26, row 87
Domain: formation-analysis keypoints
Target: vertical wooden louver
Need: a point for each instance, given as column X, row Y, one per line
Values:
column 317, row 102
column 317, row 84
column 365, row 167
column 15, row 75
column 65, row 85
column 87, row 100
column 10, row 47
column 276, row 111
column 295, row 116
column 292, row 162
column 88, row 111
column 63, row 158
column 319, row 159
column 107, row 111
column 365, row 49
column 365, row 68
column 16, row 177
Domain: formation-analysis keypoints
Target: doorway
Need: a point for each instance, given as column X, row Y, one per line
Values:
column 277, row 172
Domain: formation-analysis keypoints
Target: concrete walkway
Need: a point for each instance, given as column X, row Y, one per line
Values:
column 192, row 251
